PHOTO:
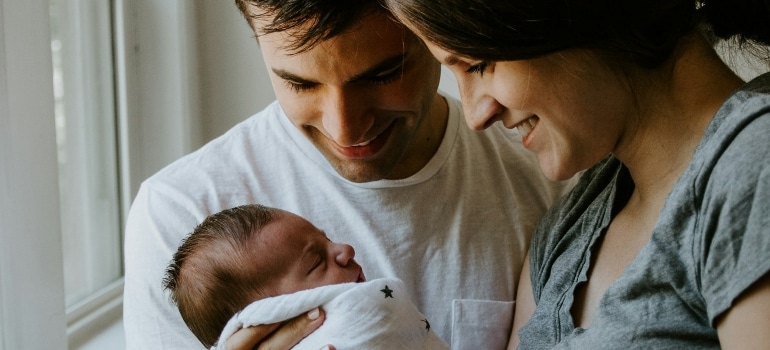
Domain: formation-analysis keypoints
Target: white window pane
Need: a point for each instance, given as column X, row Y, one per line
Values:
column 85, row 123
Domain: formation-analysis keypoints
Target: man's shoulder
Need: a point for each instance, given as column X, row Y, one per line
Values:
column 240, row 147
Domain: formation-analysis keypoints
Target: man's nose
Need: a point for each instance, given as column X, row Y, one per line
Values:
column 345, row 117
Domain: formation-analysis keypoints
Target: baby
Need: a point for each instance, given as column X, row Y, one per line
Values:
column 253, row 264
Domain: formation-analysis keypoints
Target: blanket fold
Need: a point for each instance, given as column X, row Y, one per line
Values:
column 377, row 314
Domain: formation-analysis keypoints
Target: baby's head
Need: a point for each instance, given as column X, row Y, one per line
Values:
column 247, row 253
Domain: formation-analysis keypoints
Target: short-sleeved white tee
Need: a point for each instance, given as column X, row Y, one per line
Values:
column 456, row 232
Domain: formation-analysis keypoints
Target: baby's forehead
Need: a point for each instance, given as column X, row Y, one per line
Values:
column 288, row 229
column 287, row 237
column 293, row 221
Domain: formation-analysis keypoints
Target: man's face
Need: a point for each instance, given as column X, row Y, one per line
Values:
column 366, row 98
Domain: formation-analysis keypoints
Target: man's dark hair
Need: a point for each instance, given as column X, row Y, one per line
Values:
column 311, row 21
column 208, row 278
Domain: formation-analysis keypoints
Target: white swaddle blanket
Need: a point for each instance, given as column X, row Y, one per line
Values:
column 371, row 315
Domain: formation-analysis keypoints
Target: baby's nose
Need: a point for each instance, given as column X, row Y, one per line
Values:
column 344, row 253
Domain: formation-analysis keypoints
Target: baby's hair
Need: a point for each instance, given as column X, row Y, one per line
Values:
column 207, row 277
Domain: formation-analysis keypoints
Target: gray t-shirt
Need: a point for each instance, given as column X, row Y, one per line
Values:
column 711, row 242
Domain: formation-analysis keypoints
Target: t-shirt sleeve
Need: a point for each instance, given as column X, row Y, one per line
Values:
column 154, row 229
column 735, row 249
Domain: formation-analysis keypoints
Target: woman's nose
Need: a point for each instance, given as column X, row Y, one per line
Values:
column 343, row 253
column 481, row 110
column 481, row 113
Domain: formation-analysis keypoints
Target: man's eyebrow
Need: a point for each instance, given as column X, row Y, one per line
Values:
column 384, row 65
column 286, row 75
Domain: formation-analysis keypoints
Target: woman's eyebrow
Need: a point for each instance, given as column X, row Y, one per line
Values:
column 451, row 60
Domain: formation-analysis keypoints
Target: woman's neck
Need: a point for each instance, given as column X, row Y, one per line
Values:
column 677, row 102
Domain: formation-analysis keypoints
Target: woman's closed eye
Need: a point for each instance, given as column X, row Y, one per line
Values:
column 477, row 68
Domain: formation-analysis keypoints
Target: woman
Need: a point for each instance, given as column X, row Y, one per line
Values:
column 664, row 243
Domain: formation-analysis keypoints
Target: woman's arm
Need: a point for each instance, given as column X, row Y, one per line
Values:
column 525, row 304
column 745, row 325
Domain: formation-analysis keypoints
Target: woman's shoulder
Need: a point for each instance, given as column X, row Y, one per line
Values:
column 748, row 102
column 735, row 145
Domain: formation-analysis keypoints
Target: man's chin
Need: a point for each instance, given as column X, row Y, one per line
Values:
column 361, row 176
column 361, row 171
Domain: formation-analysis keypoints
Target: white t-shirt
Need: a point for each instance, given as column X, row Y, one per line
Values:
column 455, row 232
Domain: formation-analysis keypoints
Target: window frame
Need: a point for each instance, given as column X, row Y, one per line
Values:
column 91, row 213
column 158, row 117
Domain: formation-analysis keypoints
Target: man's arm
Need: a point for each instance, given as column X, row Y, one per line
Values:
column 150, row 320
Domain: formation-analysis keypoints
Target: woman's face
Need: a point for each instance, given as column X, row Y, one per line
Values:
column 570, row 110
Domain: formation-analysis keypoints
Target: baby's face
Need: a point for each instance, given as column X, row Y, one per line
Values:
column 296, row 256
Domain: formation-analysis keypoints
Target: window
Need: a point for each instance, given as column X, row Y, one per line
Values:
column 81, row 45
column 88, row 164
column 153, row 62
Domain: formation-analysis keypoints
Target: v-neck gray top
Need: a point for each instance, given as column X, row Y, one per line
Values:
column 711, row 242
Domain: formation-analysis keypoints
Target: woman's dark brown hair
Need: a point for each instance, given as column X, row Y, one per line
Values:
column 644, row 32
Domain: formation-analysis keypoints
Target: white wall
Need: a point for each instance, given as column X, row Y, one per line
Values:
column 233, row 78
column 747, row 66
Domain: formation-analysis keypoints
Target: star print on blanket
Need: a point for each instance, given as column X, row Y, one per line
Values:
column 387, row 291
column 357, row 317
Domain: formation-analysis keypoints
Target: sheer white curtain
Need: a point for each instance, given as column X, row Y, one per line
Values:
column 32, row 312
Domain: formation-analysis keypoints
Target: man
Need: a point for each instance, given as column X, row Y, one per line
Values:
column 360, row 143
